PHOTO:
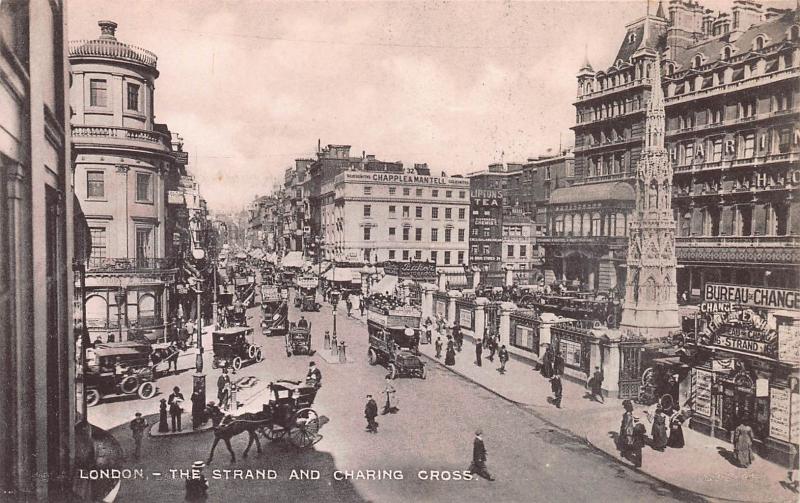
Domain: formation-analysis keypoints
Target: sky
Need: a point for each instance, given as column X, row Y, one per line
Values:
column 251, row 85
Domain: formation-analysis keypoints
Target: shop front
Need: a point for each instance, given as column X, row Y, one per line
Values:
column 745, row 370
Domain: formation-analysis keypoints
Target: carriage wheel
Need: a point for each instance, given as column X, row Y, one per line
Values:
column 146, row 390
column 236, row 363
column 92, row 397
column 392, row 371
column 372, row 357
column 272, row 435
column 259, row 355
column 251, row 352
column 129, row 384
column 305, row 425
column 424, row 373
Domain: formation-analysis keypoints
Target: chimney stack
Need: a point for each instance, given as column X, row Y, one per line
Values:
column 107, row 30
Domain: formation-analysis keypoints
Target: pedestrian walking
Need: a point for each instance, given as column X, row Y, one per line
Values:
column 547, row 363
column 363, row 306
column 175, row 400
column 625, row 437
column 314, row 375
column 638, row 435
column 555, row 385
column 450, row 353
column 558, row 363
column 478, row 352
column 349, row 304
column 492, row 347
column 658, row 432
column 224, row 388
column 596, row 385
column 458, row 337
column 743, row 444
column 196, row 483
column 138, row 425
column 676, row 440
column 438, row 347
column 503, row 355
column 172, row 359
column 371, row 412
column 478, row 465
column 391, row 401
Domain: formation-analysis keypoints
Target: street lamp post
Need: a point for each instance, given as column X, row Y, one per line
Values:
column 120, row 298
column 198, row 364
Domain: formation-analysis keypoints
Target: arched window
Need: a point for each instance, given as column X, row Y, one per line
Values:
column 631, row 38
column 147, row 310
column 726, row 53
column 794, row 32
column 669, row 69
column 698, row 61
column 96, row 312
column 758, row 43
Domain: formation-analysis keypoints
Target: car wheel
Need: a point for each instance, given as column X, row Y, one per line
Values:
column 237, row 363
column 372, row 357
column 392, row 371
column 146, row 390
column 129, row 384
column 251, row 352
column 92, row 397
column 424, row 373
column 259, row 355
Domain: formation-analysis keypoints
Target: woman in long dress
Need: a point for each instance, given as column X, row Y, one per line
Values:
column 450, row 354
column 676, row 440
column 743, row 444
column 659, row 430
column 625, row 438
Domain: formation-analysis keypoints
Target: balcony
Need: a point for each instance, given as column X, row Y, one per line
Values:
column 763, row 250
column 605, row 178
column 609, row 143
column 564, row 239
column 129, row 265
column 613, row 90
column 121, row 136
column 760, row 80
column 739, row 241
column 628, row 113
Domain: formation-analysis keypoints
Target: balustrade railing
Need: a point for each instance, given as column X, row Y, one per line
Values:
column 738, row 241
column 123, row 133
column 112, row 49
column 107, row 264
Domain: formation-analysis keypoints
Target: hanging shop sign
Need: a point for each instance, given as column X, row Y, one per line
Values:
column 773, row 298
column 417, row 271
column 740, row 330
column 701, row 382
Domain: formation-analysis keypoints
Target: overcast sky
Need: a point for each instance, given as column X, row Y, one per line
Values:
column 251, row 85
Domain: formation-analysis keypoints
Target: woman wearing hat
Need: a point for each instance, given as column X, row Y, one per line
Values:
column 196, row 484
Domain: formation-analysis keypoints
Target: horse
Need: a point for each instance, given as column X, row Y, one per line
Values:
column 227, row 427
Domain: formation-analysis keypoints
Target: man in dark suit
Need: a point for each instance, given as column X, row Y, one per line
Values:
column 371, row 412
column 478, row 465
column 175, row 400
column 478, row 352
column 314, row 375
column 555, row 385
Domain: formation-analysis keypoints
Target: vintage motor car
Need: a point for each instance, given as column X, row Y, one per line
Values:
column 298, row 340
column 274, row 311
column 305, row 296
column 134, row 377
column 234, row 347
column 394, row 340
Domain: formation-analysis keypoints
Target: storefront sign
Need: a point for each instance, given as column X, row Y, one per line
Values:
column 417, row 271
column 485, row 221
column 181, row 158
column 740, row 344
column 483, row 202
column 775, row 298
column 175, row 197
column 572, row 352
column 404, row 178
column 465, row 318
column 794, row 429
column 779, row 413
column 789, row 343
column 702, row 380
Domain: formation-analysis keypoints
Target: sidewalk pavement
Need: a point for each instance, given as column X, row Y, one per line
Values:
column 702, row 466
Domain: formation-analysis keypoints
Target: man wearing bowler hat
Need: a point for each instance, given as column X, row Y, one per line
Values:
column 196, row 484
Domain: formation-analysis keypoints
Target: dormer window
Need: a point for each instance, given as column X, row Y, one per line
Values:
column 631, row 38
column 669, row 69
column 759, row 42
column 726, row 53
column 697, row 62
column 794, row 32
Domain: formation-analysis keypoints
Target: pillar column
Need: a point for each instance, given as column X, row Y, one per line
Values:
column 479, row 319
column 406, row 293
column 442, row 282
column 590, row 279
column 611, row 369
column 427, row 301
column 509, row 280
column 563, row 275
column 506, row 308
column 476, row 277
column 452, row 295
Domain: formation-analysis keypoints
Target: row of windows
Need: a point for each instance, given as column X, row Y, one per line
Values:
column 98, row 94
column 510, row 250
column 743, row 146
column 751, row 107
column 448, row 234
column 145, row 245
column 434, row 256
column 96, row 186
column 418, row 211
column 594, row 224
column 758, row 219
column 462, row 194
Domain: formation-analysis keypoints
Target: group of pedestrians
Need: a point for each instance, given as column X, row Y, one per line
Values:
column 666, row 431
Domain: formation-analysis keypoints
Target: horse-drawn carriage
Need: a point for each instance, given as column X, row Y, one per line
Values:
column 298, row 340
column 287, row 415
column 394, row 340
column 234, row 346
column 119, row 369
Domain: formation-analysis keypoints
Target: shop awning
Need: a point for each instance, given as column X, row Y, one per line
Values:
column 386, row 285
column 293, row 259
column 455, row 275
column 342, row 275
column 324, row 266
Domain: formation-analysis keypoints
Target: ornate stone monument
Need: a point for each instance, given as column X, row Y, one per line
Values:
column 651, row 305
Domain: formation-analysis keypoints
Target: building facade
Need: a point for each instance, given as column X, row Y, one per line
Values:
column 37, row 206
column 122, row 161
column 411, row 215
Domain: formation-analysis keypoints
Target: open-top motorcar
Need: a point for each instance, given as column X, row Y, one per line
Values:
column 234, row 346
column 394, row 340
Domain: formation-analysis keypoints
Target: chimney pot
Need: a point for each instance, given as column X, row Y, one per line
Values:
column 107, row 29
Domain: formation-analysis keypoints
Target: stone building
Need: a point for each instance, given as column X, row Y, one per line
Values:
column 122, row 160
column 37, row 235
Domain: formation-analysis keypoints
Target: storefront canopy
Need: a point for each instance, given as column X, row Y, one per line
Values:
column 612, row 191
column 293, row 259
column 386, row 286
column 343, row 275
